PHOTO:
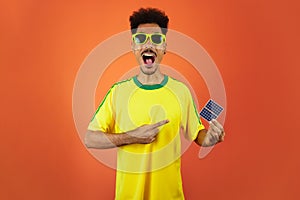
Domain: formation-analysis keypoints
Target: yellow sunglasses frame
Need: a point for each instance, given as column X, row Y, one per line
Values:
column 148, row 35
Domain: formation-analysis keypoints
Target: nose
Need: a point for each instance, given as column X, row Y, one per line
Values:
column 148, row 43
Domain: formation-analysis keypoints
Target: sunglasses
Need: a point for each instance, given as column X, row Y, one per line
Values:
column 155, row 38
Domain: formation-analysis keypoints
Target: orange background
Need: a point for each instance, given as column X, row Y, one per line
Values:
column 255, row 45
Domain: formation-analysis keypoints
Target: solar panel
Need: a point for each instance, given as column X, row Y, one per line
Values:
column 211, row 110
column 214, row 107
column 208, row 115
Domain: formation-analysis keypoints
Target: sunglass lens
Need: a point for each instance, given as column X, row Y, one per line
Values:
column 157, row 38
column 140, row 38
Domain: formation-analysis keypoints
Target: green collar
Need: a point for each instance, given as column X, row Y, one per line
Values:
column 151, row 87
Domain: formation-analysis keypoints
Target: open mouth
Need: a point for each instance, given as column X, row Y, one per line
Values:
column 148, row 57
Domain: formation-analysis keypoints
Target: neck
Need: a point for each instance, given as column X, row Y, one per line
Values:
column 152, row 79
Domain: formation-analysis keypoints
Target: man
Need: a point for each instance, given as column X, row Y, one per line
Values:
column 144, row 117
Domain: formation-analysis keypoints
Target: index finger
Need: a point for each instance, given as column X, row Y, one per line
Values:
column 160, row 123
column 217, row 124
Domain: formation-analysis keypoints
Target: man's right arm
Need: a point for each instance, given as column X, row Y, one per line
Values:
column 100, row 140
column 142, row 135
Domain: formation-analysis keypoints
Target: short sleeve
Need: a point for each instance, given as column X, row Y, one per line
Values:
column 103, row 119
column 191, row 120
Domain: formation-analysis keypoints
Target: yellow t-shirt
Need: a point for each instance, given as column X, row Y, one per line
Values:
column 149, row 171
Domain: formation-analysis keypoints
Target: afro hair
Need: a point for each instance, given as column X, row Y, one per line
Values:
column 149, row 15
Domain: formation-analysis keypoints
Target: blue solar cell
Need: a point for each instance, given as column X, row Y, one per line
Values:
column 214, row 107
column 208, row 115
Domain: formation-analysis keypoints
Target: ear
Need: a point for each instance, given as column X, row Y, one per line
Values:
column 165, row 47
column 132, row 45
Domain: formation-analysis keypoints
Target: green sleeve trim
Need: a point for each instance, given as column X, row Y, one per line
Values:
column 195, row 108
column 196, row 111
column 102, row 102
column 109, row 91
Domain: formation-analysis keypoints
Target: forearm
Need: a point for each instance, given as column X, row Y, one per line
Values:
column 144, row 134
column 203, row 140
column 212, row 136
column 100, row 140
column 201, row 137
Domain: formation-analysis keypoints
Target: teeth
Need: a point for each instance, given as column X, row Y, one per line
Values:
column 148, row 54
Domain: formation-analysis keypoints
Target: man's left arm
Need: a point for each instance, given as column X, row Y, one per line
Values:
column 211, row 136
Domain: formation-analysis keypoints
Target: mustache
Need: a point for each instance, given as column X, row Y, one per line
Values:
column 149, row 50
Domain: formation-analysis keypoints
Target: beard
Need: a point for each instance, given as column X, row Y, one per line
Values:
column 150, row 71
